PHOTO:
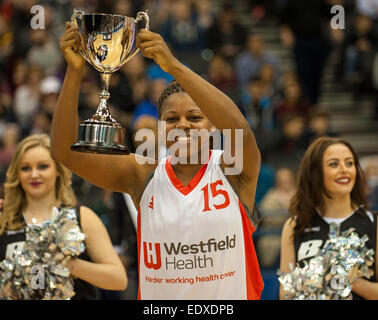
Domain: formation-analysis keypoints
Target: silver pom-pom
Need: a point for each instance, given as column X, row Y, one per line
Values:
column 330, row 273
column 38, row 272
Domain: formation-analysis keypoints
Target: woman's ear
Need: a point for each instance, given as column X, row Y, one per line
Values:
column 215, row 137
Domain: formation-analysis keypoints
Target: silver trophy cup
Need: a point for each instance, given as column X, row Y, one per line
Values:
column 107, row 45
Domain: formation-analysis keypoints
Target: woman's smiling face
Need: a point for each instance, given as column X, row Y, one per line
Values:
column 339, row 170
column 184, row 119
column 37, row 173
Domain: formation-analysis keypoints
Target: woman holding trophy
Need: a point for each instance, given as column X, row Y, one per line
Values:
column 195, row 221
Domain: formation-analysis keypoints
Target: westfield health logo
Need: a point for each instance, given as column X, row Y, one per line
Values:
column 180, row 256
column 152, row 256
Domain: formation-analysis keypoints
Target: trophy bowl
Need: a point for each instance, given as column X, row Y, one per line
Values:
column 108, row 42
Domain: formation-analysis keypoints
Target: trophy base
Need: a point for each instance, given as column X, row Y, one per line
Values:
column 101, row 138
column 100, row 148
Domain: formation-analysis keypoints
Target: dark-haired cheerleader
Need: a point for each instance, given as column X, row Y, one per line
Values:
column 331, row 189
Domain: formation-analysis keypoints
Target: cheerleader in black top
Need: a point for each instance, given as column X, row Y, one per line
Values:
column 331, row 189
column 36, row 185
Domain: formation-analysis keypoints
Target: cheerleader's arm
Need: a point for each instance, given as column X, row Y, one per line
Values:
column 287, row 252
column 365, row 288
column 105, row 270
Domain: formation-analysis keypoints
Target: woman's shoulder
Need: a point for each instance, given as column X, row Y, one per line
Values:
column 371, row 214
column 86, row 214
column 289, row 225
column 88, row 217
column 287, row 234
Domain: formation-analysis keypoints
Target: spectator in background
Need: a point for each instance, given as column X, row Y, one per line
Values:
column 6, row 42
column 249, row 62
column 154, row 71
column 221, row 75
column 124, row 8
column 26, row 98
column 227, row 36
column 360, row 48
column 49, row 91
column 44, row 52
column 367, row 7
column 318, row 126
column 159, row 9
column 6, row 113
column 274, row 208
column 146, row 116
column 288, row 146
column 279, row 197
column 184, row 34
column 135, row 72
column 369, row 165
column 143, row 126
column 121, row 96
column 265, row 180
column 205, row 16
column 8, row 145
column 18, row 75
column 257, row 107
column 338, row 39
column 181, row 30
column 20, row 17
column 269, row 82
column 288, row 77
column 41, row 123
column 88, row 102
column 304, row 28
column 150, row 104
column 293, row 103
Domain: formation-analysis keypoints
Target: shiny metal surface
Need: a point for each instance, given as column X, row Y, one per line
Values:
column 101, row 138
column 107, row 45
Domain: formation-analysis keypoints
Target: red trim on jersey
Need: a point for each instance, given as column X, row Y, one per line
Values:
column 185, row 190
column 138, row 245
column 254, row 281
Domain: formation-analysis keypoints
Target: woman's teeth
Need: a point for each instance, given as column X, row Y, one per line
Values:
column 184, row 139
column 343, row 180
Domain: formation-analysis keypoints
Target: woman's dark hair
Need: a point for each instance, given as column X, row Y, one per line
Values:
column 311, row 190
column 172, row 87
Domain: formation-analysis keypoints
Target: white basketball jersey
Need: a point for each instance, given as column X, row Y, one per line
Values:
column 195, row 241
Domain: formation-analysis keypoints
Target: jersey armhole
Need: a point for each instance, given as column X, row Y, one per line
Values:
column 255, row 216
column 147, row 181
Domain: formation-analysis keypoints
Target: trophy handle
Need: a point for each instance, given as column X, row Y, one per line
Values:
column 143, row 15
column 140, row 16
column 79, row 14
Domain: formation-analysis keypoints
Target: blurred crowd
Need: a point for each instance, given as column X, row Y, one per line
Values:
column 282, row 106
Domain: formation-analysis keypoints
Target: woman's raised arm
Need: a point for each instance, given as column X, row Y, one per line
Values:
column 218, row 108
column 113, row 172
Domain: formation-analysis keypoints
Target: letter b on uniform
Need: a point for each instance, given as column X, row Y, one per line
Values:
column 309, row 249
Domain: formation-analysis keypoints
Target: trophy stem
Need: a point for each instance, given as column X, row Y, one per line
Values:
column 102, row 112
column 105, row 80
